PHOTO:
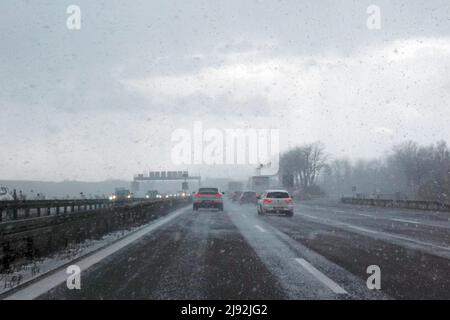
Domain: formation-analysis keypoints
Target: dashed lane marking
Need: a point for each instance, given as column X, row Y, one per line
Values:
column 321, row 277
column 260, row 228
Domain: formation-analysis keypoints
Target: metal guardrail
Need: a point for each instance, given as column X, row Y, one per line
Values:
column 26, row 209
column 405, row 204
column 24, row 239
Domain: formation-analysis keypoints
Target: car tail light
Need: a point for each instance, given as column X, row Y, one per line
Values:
column 218, row 195
column 289, row 200
column 267, row 200
column 198, row 195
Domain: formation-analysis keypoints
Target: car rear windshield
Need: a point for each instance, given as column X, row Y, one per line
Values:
column 278, row 195
column 208, row 190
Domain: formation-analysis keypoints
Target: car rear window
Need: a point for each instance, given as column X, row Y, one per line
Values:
column 278, row 195
column 208, row 190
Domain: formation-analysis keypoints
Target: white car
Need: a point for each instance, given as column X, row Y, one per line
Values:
column 4, row 194
column 275, row 201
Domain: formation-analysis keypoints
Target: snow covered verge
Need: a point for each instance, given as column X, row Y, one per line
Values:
column 40, row 266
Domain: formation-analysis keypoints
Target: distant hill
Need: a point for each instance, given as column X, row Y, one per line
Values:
column 64, row 188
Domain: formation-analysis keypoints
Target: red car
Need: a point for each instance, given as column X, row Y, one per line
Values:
column 208, row 198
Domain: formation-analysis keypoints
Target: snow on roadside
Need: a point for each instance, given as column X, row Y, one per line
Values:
column 43, row 265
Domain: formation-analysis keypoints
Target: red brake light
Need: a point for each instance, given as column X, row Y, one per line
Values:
column 267, row 200
column 197, row 195
column 218, row 195
column 288, row 200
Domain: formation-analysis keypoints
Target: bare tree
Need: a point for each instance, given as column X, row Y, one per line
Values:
column 435, row 161
column 406, row 158
column 313, row 161
column 421, row 172
column 304, row 163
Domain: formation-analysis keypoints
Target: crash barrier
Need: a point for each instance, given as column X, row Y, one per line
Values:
column 26, row 209
column 405, row 204
column 37, row 235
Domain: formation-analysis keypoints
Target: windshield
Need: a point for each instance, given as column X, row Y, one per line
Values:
column 225, row 150
column 122, row 192
column 278, row 195
column 208, row 190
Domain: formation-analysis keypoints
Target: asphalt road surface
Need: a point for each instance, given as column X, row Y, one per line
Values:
column 322, row 252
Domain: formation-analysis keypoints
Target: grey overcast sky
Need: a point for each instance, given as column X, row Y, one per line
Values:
column 102, row 102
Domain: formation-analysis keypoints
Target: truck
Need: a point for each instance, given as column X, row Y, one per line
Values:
column 234, row 189
column 152, row 194
column 259, row 183
column 235, row 186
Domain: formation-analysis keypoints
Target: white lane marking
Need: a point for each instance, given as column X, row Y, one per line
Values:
column 406, row 221
column 361, row 229
column 47, row 283
column 374, row 216
column 385, row 234
column 315, row 218
column 260, row 228
column 420, row 242
column 321, row 277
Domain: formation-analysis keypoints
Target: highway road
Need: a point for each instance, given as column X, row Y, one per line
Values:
column 322, row 252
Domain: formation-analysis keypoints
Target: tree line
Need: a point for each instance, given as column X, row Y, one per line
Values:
column 408, row 170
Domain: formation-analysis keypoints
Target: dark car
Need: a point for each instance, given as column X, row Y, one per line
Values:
column 248, row 197
column 236, row 196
